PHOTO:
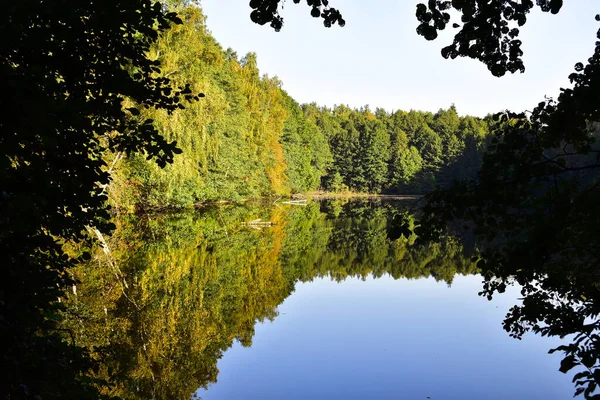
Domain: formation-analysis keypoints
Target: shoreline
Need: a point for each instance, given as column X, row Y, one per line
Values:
column 308, row 196
column 321, row 196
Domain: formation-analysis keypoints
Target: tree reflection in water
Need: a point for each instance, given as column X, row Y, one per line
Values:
column 177, row 290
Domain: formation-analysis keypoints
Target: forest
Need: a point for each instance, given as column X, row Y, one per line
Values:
column 249, row 139
column 136, row 107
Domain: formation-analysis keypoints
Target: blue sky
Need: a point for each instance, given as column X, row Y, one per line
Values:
column 379, row 60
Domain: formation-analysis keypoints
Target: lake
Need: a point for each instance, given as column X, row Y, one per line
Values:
column 389, row 339
column 317, row 301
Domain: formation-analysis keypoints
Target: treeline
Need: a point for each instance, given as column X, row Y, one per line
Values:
column 247, row 138
column 177, row 290
column 398, row 152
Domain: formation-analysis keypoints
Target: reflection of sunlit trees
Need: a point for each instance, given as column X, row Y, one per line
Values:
column 184, row 287
column 193, row 287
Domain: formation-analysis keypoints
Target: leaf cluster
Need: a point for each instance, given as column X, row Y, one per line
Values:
column 488, row 32
column 267, row 11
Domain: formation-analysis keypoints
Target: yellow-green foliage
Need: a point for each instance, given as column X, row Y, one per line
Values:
column 230, row 138
column 173, row 294
column 247, row 138
column 175, row 291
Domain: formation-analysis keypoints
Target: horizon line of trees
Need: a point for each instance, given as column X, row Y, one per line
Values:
column 248, row 138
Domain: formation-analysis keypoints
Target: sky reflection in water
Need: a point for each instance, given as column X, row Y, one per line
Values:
column 390, row 339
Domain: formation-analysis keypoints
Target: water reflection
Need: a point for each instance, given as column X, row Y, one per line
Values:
column 389, row 339
column 176, row 291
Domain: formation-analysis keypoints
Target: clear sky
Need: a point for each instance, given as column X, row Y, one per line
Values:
column 379, row 60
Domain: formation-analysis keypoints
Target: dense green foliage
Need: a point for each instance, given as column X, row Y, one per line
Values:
column 249, row 139
column 400, row 152
column 83, row 88
column 89, row 86
column 176, row 291
column 71, row 71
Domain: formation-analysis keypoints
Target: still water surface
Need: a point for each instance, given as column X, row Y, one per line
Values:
column 390, row 339
column 329, row 302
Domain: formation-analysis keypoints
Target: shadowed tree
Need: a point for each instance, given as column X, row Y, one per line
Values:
column 74, row 75
column 534, row 208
